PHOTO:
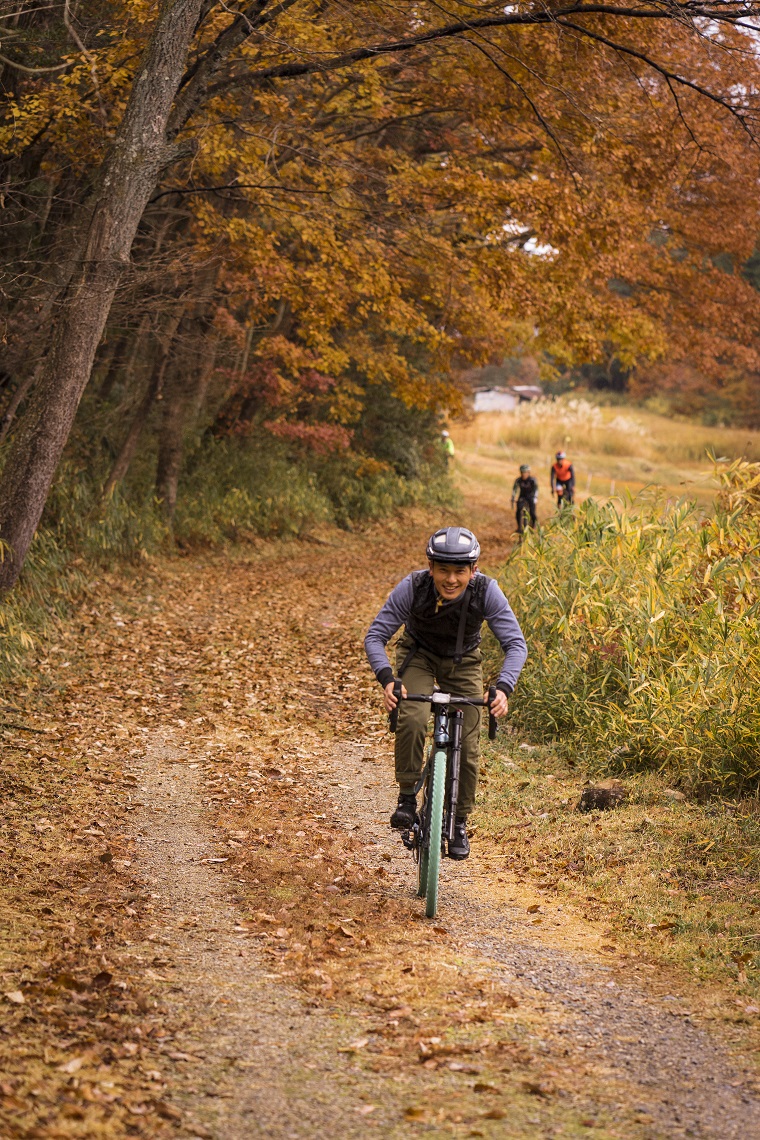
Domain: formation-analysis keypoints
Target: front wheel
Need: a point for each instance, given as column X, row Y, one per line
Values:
column 432, row 852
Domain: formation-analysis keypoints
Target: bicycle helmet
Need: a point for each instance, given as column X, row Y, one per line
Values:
column 524, row 467
column 453, row 544
column 560, row 455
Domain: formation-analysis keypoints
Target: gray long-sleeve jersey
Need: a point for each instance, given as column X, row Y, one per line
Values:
column 498, row 615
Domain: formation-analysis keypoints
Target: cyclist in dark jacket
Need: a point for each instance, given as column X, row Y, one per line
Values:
column 525, row 493
column 443, row 609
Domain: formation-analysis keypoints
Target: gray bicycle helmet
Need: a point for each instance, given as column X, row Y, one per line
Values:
column 453, row 544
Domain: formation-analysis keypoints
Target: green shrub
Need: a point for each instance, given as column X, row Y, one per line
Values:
column 642, row 624
column 234, row 491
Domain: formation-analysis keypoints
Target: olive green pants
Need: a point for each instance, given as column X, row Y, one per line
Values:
column 420, row 676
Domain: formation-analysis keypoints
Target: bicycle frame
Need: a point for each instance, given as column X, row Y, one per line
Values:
column 441, row 783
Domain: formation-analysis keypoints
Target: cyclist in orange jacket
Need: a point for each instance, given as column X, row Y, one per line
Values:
column 562, row 480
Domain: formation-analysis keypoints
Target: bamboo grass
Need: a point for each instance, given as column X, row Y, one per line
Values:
column 642, row 623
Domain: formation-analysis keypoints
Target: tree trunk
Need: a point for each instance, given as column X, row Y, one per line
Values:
column 152, row 393
column 139, row 153
column 182, row 405
column 170, row 443
column 108, row 364
column 13, row 404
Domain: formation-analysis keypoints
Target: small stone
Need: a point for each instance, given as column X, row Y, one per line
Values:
column 674, row 795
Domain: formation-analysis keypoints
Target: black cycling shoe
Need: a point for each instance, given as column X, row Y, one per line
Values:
column 406, row 811
column 459, row 847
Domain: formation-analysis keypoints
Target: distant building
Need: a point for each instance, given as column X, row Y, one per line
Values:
column 504, row 399
column 528, row 392
column 494, row 400
column 501, row 387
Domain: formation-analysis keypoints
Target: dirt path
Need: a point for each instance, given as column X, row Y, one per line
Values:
column 253, row 1058
column 284, row 985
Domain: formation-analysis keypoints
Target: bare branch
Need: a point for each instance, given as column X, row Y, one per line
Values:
column 33, row 70
column 87, row 55
column 546, row 126
column 235, row 185
column 669, row 76
column 725, row 13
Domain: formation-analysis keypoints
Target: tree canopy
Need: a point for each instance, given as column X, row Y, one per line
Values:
column 263, row 214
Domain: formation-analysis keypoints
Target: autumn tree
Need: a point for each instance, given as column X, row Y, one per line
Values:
column 401, row 183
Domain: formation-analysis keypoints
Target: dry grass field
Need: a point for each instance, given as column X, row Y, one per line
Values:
column 616, row 451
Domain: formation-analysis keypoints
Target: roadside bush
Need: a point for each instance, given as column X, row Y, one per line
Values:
column 642, row 624
column 235, row 490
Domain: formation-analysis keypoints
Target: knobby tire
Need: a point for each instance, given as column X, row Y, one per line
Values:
column 437, row 790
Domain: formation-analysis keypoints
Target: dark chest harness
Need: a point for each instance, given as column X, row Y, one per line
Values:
column 424, row 596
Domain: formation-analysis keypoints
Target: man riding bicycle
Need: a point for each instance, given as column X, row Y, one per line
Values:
column 562, row 480
column 443, row 609
column 525, row 492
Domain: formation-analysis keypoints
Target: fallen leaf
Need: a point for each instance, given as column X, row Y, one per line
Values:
column 533, row 908
column 413, row 1113
column 72, row 1066
column 16, row 997
column 101, row 980
column 353, row 1046
column 366, row 1109
column 494, row 1114
column 106, row 857
column 167, row 1111
column 483, row 1087
column 538, row 1088
column 440, row 930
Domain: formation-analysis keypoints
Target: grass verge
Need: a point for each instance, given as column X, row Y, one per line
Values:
column 677, row 882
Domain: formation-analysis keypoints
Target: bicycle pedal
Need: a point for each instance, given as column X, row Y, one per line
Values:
column 407, row 838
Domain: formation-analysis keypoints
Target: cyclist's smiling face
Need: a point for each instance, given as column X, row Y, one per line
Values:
column 451, row 580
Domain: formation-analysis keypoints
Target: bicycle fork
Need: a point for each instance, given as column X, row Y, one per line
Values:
column 454, row 736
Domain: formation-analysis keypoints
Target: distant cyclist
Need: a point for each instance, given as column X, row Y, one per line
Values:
column 443, row 609
column 447, row 443
column 562, row 480
column 525, row 494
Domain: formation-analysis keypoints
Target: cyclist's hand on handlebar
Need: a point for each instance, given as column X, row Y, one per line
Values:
column 388, row 698
column 499, row 705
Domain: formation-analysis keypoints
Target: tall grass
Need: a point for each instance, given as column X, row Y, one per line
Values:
column 577, row 424
column 642, row 622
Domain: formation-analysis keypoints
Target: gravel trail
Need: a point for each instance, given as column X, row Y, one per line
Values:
column 256, row 1059
column 253, row 1059
column 670, row 1069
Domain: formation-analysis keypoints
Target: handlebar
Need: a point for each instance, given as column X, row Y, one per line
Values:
column 439, row 698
